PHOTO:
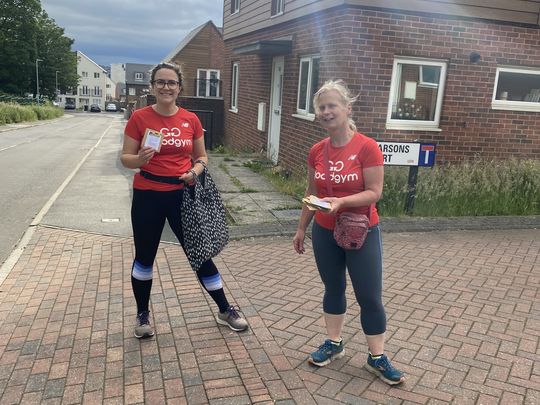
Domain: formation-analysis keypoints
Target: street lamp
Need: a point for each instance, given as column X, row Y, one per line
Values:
column 56, row 85
column 37, row 78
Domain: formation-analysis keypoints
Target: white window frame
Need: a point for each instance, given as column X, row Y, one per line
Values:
column 421, row 82
column 207, row 78
column 139, row 77
column 419, row 125
column 235, row 74
column 279, row 8
column 84, row 90
column 96, row 75
column 132, row 91
column 235, row 6
column 510, row 104
column 304, row 112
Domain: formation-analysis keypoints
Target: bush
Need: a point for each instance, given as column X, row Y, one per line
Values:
column 47, row 112
column 477, row 188
column 509, row 187
column 11, row 113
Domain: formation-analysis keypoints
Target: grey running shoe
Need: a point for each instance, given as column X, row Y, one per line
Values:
column 232, row 319
column 143, row 328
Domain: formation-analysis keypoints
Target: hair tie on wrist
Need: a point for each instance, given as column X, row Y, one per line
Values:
column 202, row 162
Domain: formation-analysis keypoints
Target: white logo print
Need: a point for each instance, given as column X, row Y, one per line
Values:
column 336, row 167
column 185, row 125
column 170, row 132
column 352, row 157
column 335, row 177
column 172, row 137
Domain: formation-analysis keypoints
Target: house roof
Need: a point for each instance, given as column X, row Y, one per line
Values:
column 187, row 39
column 90, row 60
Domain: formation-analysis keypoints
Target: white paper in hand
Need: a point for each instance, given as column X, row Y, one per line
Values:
column 153, row 139
column 315, row 203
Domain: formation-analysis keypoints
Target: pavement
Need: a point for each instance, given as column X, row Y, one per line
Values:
column 461, row 296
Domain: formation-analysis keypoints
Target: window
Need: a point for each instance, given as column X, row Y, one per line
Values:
column 96, row 75
column 131, row 91
column 516, row 89
column 307, row 85
column 84, row 91
column 139, row 76
column 235, row 6
column 278, row 7
column 429, row 76
column 234, row 87
column 416, row 94
column 96, row 101
column 207, row 83
column 84, row 74
column 97, row 91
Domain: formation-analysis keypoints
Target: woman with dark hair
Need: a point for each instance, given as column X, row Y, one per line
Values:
column 177, row 156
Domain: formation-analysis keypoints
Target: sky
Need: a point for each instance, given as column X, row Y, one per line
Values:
column 130, row 31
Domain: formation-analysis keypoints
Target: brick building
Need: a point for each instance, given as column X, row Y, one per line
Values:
column 465, row 76
column 200, row 55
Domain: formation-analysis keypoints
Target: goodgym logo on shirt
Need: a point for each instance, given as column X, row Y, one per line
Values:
column 335, row 175
column 171, row 137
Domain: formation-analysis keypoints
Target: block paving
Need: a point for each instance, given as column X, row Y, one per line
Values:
column 463, row 311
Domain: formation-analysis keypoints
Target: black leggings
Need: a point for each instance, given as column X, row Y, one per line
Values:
column 149, row 210
column 148, row 213
column 365, row 270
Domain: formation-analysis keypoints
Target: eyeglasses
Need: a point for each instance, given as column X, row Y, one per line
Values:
column 171, row 84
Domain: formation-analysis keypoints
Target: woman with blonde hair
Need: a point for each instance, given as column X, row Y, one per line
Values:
column 346, row 170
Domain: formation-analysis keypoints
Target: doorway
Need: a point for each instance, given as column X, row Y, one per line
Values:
column 274, row 124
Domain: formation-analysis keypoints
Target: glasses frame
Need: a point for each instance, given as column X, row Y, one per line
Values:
column 171, row 84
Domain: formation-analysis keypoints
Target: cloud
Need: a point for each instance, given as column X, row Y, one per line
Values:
column 116, row 31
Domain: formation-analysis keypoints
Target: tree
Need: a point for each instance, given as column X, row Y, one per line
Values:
column 55, row 51
column 18, row 31
column 26, row 34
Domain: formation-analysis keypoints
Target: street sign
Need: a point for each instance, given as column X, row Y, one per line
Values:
column 411, row 154
column 427, row 155
column 407, row 153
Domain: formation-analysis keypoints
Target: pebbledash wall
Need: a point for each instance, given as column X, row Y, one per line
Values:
column 359, row 46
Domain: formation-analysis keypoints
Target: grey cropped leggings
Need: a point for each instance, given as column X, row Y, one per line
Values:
column 365, row 270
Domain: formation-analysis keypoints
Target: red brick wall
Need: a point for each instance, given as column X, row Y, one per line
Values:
column 359, row 46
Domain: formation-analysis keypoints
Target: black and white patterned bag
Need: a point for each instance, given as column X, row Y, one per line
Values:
column 204, row 222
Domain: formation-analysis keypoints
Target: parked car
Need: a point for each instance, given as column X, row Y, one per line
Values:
column 70, row 105
column 95, row 108
column 111, row 107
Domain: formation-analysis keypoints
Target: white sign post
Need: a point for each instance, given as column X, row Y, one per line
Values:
column 411, row 154
column 400, row 153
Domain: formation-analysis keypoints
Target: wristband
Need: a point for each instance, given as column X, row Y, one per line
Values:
column 202, row 162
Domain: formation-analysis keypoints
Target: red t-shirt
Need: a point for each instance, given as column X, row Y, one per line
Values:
column 345, row 165
column 174, row 157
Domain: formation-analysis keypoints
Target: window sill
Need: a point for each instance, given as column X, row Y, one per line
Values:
column 304, row 117
column 233, row 110
column 412, row 127
column 515, row 105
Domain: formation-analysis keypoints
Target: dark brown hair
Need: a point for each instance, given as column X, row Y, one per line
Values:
column 164, row 65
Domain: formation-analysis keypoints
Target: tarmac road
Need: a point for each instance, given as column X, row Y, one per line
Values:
column 35, row 161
